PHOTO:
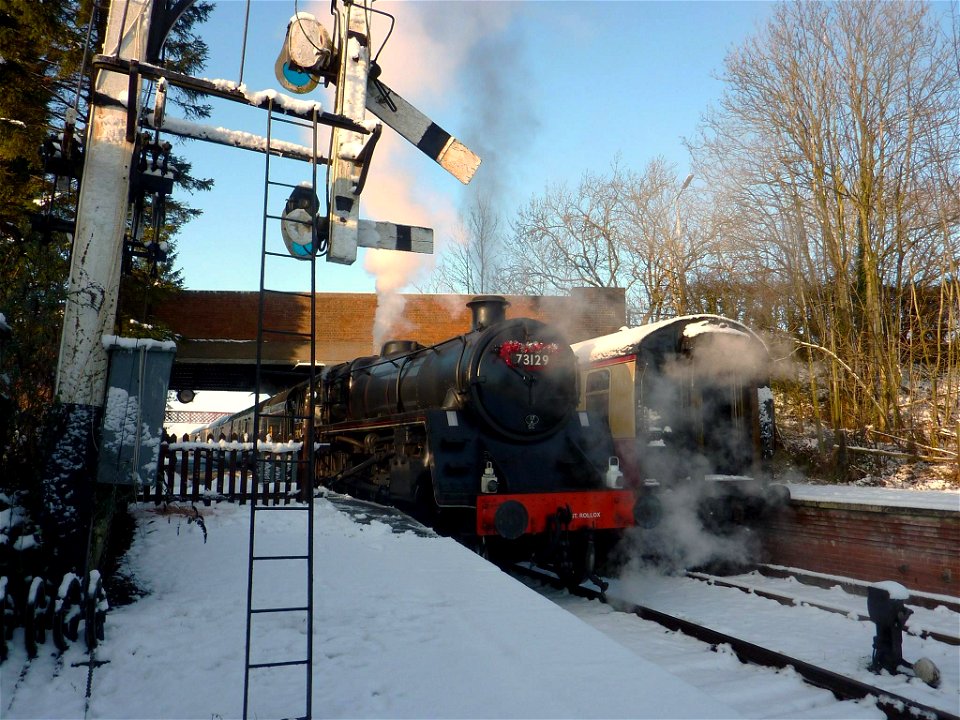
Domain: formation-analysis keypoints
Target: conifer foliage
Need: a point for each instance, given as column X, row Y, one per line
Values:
column 46, row 70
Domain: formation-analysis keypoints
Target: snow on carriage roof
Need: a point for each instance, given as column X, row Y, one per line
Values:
column 625, row 341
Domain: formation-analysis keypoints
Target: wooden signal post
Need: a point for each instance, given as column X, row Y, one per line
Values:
column 91, row 304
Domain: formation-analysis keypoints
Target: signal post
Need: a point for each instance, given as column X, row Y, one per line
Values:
column 91, row 303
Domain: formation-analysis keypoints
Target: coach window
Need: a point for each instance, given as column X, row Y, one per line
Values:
column 598, row 393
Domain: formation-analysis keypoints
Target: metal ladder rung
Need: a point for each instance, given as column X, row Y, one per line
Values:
column 277, row 183
column 287, row 256
column 260, row 611
column 291, row 220
column 293, row 293
column 285, row 663
column 280, row 507
column 293, row 333
column 281, row 557
column 293, row 121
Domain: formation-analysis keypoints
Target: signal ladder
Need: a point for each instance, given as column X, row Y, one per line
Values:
column 279, row 632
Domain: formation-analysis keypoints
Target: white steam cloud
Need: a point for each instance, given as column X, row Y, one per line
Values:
column 460, row 64
column 438, row 50
column 682, row 541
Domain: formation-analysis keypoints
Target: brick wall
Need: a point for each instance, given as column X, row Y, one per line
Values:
column 915, row 547
column 346, row 321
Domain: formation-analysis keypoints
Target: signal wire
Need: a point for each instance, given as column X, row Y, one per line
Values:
column 243, row 49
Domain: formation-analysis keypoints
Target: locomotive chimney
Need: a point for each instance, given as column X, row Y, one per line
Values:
column 487, row 310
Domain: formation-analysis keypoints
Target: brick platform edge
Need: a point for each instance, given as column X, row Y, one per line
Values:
column 919, row 548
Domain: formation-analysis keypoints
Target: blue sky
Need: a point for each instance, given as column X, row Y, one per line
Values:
column 542, row 91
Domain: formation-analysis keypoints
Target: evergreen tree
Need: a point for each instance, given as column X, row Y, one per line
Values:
column 45, row 79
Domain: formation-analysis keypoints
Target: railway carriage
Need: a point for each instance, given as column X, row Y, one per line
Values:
column 688, row 401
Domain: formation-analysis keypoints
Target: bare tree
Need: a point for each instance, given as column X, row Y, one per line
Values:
column 472, row 263
column 835, row 151
column 620, row 229
column 570, row 237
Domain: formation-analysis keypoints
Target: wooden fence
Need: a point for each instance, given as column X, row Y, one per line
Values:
column 227, row 471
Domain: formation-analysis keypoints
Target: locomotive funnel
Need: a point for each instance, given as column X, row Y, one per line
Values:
column 487, row 310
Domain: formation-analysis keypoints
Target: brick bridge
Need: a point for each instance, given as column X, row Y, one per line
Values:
column 219, row 329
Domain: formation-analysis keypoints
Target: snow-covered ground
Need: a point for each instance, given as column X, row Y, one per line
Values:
column 408, row 624
column 405, row 626
column 838, row 642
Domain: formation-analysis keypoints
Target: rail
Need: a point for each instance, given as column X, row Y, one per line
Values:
column 895, row 707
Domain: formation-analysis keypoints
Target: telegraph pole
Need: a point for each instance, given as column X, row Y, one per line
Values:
column 94, row 282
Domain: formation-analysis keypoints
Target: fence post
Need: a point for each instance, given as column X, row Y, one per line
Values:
column 232, row 474
column 208, row 470
column 221, row 457
column 163, row 469
column 184, row 474
column 242, row 490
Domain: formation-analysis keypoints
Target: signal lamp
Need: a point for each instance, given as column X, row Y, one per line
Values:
column 306, row 54
column 298, row 226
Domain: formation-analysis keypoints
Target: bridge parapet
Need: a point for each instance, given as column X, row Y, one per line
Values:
column 219, row 329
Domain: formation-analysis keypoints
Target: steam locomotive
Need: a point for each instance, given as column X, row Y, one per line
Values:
column 479, row 436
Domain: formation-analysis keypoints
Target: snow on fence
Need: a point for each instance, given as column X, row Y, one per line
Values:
column 225, row 471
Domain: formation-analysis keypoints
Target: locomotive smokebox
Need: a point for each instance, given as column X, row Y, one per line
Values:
column 487, row 310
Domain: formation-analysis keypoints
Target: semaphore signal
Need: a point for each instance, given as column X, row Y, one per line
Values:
column 309, row 56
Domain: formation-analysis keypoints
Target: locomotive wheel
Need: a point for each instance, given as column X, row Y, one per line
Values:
column 579, row 567
column 36, row 616
column 67, row 612
column 94, row 610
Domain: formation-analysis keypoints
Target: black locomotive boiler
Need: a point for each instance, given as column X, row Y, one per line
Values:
column 480, row 435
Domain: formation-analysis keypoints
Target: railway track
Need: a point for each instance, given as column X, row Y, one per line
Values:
column 785, row 598
column 854, row 587
column 843, row 688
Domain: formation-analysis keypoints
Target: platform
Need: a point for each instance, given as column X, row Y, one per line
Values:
column 870, row 534
column 407, row 625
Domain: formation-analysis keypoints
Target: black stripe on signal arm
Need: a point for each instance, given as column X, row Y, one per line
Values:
column 434, row 140
column 404, row 239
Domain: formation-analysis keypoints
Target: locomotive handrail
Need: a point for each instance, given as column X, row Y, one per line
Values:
column 392, row 360
column 400, row 367
column 460, row 359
